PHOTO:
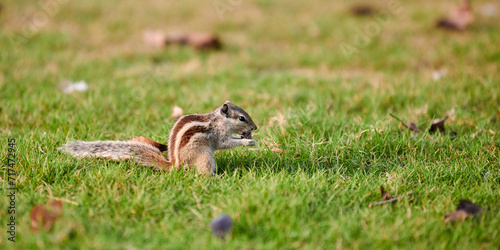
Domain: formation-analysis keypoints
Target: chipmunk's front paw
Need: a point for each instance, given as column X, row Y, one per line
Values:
column 249, row 142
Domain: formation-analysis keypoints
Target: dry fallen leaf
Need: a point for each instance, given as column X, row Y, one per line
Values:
column 458, row 215
column 44, row 216
column 177, row 112
column 362, row 10
column 199, row 41
column 161, row 147
column 469, row 207
column 203, row 41
column 438, row 124
column 458, row 18
column 385, row 195
column 464, row 209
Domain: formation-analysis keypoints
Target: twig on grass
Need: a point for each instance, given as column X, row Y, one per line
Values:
column 397, row 118
column 391, row 200
column 410, row 125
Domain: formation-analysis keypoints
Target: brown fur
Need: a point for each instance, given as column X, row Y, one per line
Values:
column 179, row 125
column 161, row 147
column 197, row 136
column 145, row 154
column 190, row 133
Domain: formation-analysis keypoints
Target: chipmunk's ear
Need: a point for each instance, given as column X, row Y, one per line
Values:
column 224, row 110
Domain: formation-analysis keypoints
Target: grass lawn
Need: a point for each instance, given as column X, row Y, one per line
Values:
column 320, row 90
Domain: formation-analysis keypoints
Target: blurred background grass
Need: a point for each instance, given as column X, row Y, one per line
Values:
column 284, row 63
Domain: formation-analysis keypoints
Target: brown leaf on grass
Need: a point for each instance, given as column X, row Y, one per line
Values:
column 44, row 216
column 161, row 147
column 203, row 41
column 458, row 215
column 438, row 124
column 385, row 195
column 458, row 18
column 362, row 10
column 469, row 207
column 199, row 41
column 464, row 209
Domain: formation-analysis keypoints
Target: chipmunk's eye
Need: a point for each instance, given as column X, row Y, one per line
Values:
column 242, row 118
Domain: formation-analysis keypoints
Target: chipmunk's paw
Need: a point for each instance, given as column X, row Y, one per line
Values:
column 249, row 142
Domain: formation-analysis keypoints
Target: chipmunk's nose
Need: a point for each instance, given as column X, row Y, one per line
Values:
column 254, row 127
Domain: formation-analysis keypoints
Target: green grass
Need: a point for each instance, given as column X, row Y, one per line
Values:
column 283, row 63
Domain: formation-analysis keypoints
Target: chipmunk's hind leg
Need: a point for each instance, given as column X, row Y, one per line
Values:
column 205, row 163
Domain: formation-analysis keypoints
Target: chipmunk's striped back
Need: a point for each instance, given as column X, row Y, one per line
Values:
column 187, row 129
column 192, row 141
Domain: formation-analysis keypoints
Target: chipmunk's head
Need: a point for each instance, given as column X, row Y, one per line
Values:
column 238, row 120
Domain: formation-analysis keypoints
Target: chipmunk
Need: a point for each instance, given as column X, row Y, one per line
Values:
column 192, row 141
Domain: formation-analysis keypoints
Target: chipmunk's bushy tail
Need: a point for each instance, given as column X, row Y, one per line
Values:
column 144, row 154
